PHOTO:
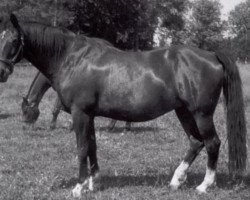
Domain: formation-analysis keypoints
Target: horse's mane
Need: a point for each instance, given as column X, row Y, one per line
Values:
column 48, row 39
column 53, row 40
column 98, row 41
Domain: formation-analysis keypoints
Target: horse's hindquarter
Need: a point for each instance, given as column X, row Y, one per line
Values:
column 198, row 77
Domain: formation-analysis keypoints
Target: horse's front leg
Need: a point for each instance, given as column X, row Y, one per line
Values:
column 83, row 125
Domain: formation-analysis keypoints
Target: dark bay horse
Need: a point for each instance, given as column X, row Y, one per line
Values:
column 95, row 79
column 30, row 103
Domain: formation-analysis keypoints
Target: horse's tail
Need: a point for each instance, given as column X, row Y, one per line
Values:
column 236, row 124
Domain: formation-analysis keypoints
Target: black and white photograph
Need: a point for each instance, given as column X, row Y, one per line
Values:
column 124, row 99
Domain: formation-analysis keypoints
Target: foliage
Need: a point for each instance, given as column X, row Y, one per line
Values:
column 128, row 24
column 238, row 20
column 47, row 11
column 7, row 6
column 133, row 24
column 171, row 19
column 205, row 24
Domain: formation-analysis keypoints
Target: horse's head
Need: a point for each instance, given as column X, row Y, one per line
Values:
column 11, row 46
column 30, row 111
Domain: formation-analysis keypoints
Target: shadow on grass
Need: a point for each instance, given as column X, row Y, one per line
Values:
column 223, row 181
column 64, row 184
column 162, row 180
column 133, row 129
column 106, row 182
column 5, row 115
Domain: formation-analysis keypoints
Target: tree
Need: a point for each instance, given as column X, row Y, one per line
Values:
column 205, row 24
column 128, row 24
column 47, row 11
column 8, row 6
column 238, row 20
column 171, row 20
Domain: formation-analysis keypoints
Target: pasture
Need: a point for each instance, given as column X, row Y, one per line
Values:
column 37, row 163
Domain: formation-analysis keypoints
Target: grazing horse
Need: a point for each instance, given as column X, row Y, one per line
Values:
column 95, row 79
column 31, row 101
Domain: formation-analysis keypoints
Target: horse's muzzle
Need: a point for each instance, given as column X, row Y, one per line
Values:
column 4, row 73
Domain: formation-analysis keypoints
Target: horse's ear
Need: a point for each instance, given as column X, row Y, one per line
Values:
column 16, row 25
column 14, row 20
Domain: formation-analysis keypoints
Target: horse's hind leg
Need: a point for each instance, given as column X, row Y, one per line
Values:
column 212, row 143
column 188, row 123
column 112, row 124
column 128, row 126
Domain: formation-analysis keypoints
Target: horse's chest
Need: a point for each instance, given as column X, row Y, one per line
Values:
column 77, row 88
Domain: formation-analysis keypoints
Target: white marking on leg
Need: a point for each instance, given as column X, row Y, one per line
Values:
column 92, row 180
column 180, row 175
column 208, row 181
column 91, row 183
column 77, row 191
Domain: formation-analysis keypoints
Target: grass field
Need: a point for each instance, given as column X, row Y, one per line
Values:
column 36, row 163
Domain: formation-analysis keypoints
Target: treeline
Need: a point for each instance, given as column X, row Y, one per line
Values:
column 143, row 24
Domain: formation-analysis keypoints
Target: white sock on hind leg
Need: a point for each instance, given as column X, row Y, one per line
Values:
column 180, row 175
column 208, row 181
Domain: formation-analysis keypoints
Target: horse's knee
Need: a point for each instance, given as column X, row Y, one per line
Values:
column 195, row 144
column 213, row 145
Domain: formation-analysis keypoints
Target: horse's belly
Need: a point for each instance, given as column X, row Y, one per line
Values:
column 138, row 100
column 147, row 109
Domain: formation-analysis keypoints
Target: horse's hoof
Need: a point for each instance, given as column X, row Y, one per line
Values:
column 87, row 186
column 201, row 190
column 77, row 191
column 174, row 187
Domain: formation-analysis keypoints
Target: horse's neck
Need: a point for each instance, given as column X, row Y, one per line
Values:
column 38, row 88
column 45, row 50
